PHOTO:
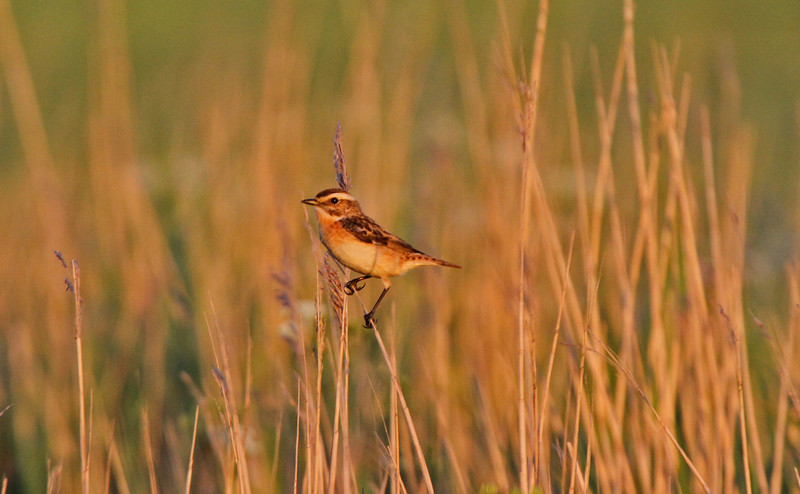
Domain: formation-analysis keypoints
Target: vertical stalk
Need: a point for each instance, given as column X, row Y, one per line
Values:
column 76, row 285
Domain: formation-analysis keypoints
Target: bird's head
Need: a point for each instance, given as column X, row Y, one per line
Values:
column 334, row 202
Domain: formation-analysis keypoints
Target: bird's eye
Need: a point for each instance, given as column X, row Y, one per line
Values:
column 335, row 200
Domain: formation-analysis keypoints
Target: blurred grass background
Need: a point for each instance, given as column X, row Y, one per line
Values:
column 178, row 139
column 170, row 46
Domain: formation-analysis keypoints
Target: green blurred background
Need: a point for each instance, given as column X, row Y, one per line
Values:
column 177, row 48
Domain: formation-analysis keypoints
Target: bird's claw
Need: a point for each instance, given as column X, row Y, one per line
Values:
column 353, row 286
column 369, row 320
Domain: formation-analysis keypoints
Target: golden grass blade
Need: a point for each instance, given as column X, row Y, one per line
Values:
column 588, row 467
column 742, row 415
column 84, row 439
column 394, row 428
column 576, row 152
column 579, row 391
column 148, row 450
column 223, row 374
column 54, row 478
column 191, row 451
column 115, row 467
column 551, row 362
column 781, row 413
column 341, row 409
column 342, row 177
column 529, row 177
column 318, row 457
column 612, row 358
column 576, row 472
column 499, row 471
column 406, row 412
column 297, row 441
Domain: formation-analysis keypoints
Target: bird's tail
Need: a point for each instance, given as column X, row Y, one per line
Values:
column 444, row 263
column 420, row 259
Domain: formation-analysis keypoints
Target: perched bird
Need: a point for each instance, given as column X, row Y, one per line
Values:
column 359, row 243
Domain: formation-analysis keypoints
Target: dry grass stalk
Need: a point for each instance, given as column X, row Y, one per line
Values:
column 406, row 412
column 337, row 298
column 611, row 357
column 191, row 451
column 285, row 294
column 85, row 437
column 148, row 450
column 342, row 177
column 788, row 392
column 734, row 338
column 550, row 363
column 341, row 407
column 53, row 478
column 579, row 391
column 527, row 125
column 115, row 467
column 397, row 485
column 336, row 292
column 317, row 457
column 223, row 376
column 297, row 441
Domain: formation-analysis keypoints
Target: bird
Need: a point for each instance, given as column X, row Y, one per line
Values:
column 358, row 242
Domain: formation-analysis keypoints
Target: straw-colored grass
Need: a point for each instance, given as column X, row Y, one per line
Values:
column 598, row 338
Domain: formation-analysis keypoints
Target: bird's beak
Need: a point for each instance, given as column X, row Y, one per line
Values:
column 310, row 202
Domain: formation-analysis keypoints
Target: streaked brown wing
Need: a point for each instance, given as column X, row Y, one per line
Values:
column 367, row 230
column 399, row 244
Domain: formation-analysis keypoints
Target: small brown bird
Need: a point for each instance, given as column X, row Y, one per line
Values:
column 359, row 243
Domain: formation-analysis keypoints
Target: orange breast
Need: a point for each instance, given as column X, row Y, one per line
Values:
column 366, row 258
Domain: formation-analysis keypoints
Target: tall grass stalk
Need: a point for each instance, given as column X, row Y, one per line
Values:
column 84, row 434
column 190, row 467
column 426, row 476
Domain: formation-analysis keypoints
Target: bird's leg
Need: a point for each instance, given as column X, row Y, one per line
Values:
column 353, row 286
column 368, row 320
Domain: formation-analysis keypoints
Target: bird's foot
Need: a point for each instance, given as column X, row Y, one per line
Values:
column 369, row 320
column 353, row 286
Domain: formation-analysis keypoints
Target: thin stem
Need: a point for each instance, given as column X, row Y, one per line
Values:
column 191, row 453
column 76, row 283
column 404, row 405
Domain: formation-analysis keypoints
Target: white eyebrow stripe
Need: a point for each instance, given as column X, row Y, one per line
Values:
column 338, row 195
